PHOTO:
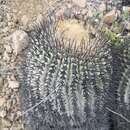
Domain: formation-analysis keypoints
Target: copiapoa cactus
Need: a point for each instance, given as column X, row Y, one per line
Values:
column 72, row 74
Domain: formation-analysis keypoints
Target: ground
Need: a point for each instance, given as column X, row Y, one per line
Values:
column 14, row 15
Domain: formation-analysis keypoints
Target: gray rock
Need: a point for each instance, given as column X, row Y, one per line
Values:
column 19, row 41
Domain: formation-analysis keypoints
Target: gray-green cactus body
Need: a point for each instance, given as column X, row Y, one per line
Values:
column 81, row 84
column 69, row 87
column 120, row 86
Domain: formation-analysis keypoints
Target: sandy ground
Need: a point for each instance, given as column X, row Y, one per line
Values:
column 14, row 15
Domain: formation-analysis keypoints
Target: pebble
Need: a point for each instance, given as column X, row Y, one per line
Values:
column 9, row 16
column 13, row 84
column 8, row 105
column 102, row 7
column 2, row 101
column 19, row 41
column 81, row 3
column 18, row 127
column 6, row 123
column 11, row 116
column 3, row 113
column 8, row 48
column 6, row 57
column 110, row 17
column 24, row 20
column 126, row 8
column 127, row 25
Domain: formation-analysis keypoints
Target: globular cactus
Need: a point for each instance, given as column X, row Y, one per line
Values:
column 120, row 86
column 75, row 71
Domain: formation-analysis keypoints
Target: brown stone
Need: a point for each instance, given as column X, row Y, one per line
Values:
column 110, row 17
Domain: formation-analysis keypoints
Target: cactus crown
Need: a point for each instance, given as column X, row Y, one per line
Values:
column 70, row 32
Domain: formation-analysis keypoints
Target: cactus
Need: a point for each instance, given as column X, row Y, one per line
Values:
column 120, row 81
column 86, row 73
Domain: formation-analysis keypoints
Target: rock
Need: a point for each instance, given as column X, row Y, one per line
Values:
column 20, row 41
column 11, row 116
column 102, row 7
column 81, row 3
column 3, row 113
column 110, row 17
column 8, row 48
column 24, row 20
column 9, row 16
column 6, row 57
column 18, row 127
column 8, row 92
column 13, row 84
column 8, row 105
column 126, row 8
column 127, row 26
column 2, row 101
column 90, row 14
column 6, row 123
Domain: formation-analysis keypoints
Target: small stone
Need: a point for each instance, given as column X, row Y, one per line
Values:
column 19, row 113
column 8, row 104
column 5, row 30
column 6, row 57
column 20, row 41
column 8, row 48
column 3, row 113
column 24, row 20
column 6, row 123
column 127, row 26
column 14, row 101
column 81, row 3
column 126, row 8
column 9, row 17
column 13, row 84
column 102, row 7
column 11, row 117
column 11, row 24
column 90, row 14
column 110, row 17
column 2, row 101
column 8, row 92
column 18, row 127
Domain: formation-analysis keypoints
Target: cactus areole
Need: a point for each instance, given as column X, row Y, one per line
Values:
column 68, row 65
